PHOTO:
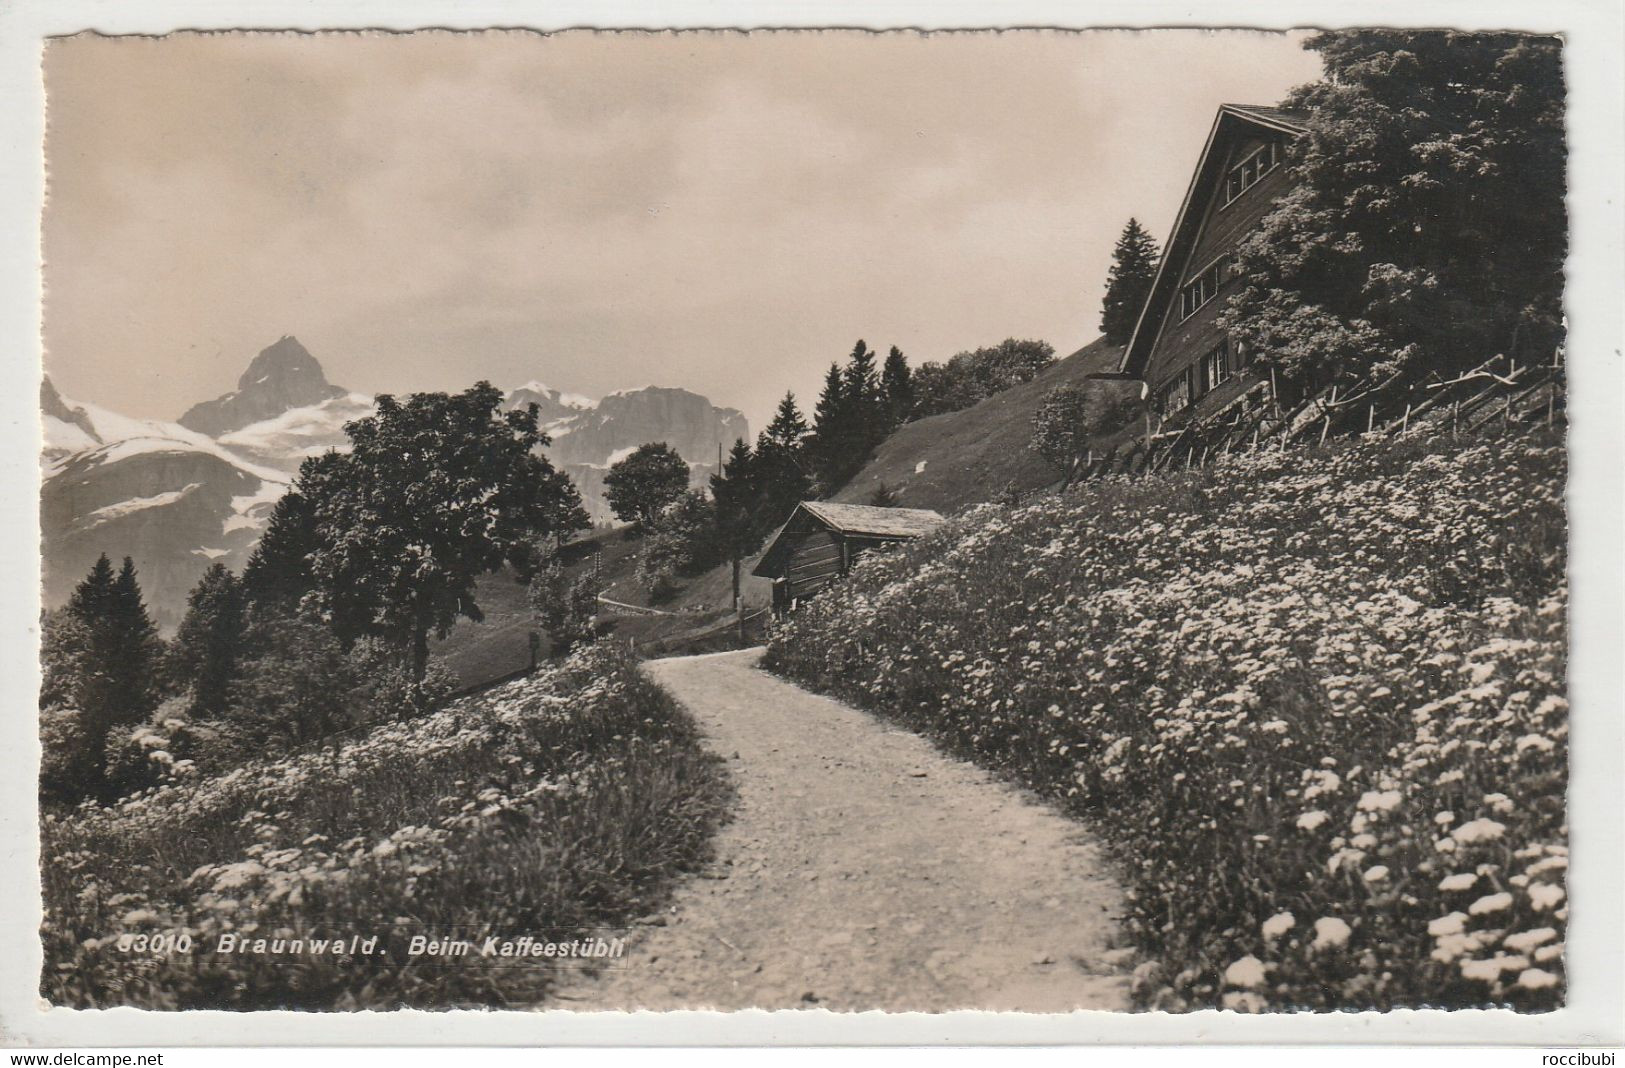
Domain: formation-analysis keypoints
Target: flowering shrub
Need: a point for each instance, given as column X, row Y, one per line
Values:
column 1315, row 699
column 547, row 806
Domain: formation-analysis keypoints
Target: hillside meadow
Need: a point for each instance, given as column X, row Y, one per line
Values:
column 550, row 807
column 1314, row 699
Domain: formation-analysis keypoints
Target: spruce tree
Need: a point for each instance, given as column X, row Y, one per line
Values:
column 830, row 432
column 136, row 647
column 735, row 493
column 897, row 387
column 781, row 467
column 117, row 672
column 209, row 643
column 866, row 407
column 278, row 571
column 1134, row 265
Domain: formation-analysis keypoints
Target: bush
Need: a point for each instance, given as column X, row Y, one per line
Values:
column 550, row 806
column 564, row 607
column 165, row 749
column 971, row 377
column 68, row 757
column 1314, row 699
column 683, row 540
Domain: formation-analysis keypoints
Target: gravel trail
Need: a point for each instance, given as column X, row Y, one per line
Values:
column 865, row 870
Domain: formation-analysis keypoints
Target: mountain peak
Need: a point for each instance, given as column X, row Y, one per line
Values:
column 286, row 360
column 283, row 376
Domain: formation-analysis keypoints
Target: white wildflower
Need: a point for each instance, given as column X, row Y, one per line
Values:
column 1479, row 830
column 1544, row 896
column 1310, row 820
column 1279, row 924
column 1524, row 941
column 1330, row 932
column 1248, row 972
column 1453, row 924
column 1379, row 800
column 1490, row 903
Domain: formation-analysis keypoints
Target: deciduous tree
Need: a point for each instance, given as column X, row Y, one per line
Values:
column 434, row 492
column 1426, row 229
column 641, row 485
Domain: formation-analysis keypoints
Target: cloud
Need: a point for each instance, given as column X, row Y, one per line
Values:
column 722, row 211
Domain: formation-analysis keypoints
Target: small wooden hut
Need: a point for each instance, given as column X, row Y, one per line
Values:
column 822, row 540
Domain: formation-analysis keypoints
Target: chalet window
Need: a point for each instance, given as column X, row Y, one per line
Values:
column 1183, row 390
column 1215, row 367
column 1244, row 175
column 1176, row 395
column 1203, row 288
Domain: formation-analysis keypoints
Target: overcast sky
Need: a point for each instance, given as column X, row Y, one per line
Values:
column 722, row 212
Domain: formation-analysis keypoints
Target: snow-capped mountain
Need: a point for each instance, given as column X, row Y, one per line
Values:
column 172, row 498
column 282, row 377
column 178, row 496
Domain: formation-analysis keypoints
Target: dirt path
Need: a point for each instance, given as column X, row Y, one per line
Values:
column 864, row 870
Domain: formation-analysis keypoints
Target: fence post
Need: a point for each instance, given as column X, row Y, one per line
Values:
column 1405, row 424
column 1370, row 418
column 1455, row 416
column 1551, row 401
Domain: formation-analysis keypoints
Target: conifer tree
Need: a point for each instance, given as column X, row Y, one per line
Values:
column 735, row 493
column 830, row 432
column 134, row 645
column 114, row 667
column 781, row 466
column 897, row 387
column 278, row 573
column 209, row 643
column 867, row 422
column 1134, row 265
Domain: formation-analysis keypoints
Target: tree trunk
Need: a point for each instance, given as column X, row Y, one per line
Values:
column 420, row 665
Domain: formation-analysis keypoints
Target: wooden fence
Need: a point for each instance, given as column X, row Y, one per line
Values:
column 1497, row 393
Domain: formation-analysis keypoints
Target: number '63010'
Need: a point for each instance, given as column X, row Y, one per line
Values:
column 161, row 942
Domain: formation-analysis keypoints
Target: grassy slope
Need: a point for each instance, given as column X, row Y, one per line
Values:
column 554, row 806
column 500, row 646
column 970, row 457
column 1315, row 698
column 973, row 454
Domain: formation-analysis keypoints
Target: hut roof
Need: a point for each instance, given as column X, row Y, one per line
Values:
column 875, row 521
column 860, row 520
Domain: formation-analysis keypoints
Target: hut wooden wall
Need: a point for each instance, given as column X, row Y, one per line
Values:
column 815, row 560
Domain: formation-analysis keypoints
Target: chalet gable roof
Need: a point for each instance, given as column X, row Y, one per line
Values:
column 856, row 520
column 1231, row 121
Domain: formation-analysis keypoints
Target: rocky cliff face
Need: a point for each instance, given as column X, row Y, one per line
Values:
column 281, row 377
column 587, row 439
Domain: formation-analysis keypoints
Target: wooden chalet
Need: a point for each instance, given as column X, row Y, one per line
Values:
column 1189, row 367
column 822, row 540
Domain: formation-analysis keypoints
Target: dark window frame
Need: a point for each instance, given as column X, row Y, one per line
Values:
column 1251, row 170
column 1199, row 291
